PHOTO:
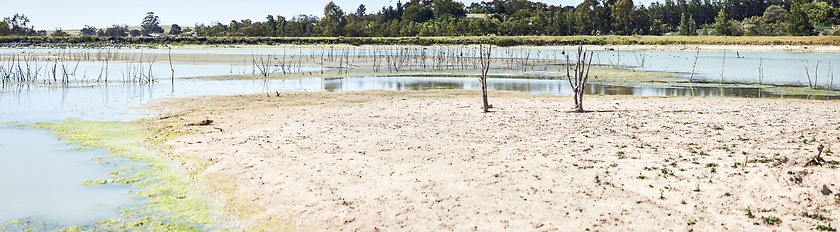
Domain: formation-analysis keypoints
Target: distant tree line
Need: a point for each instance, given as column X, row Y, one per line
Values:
column 516, row 18
column 18, row 25
column 523, row 18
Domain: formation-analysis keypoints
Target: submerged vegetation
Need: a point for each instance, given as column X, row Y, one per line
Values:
column 61, row 67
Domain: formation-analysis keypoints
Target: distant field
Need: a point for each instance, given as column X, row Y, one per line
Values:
column 497, row 40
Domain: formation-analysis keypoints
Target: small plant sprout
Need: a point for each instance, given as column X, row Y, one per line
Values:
column 749, row 212
column 662, row 194
column 770, row 220
column 816, row 216
column 727, row 194
column 691, row 222
column 697, row 188
column 825, row 227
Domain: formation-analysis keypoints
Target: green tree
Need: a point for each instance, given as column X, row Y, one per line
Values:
column 417, row 13
column 270, row 26
column 721, row 23
column 361, row 10
column 88, row 30
column 819, row 13
column 134, row 33
column 175, row 29
column 18, row 25
column 333, row 22
column 117, row 30
column 687, row 26
column 476, row 8
column 623, row 16
column 775, row 14
column 151, row 24
column 59, row 32
column 4, row 29
column 755, row 26
column 798, row 24
column 448, row 9
column 585, row 17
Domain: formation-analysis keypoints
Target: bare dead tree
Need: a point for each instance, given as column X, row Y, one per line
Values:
column 697, row 55
column 830, row 76
column 151, row 78
column 484, row 57
column 722, row 66
column 760, row 71
column 581, row 75
column 640, row 58
column 808, row 75
column 816, row 74
column 262, row 64
column 172, row 78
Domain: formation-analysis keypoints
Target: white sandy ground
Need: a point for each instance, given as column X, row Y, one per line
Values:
column 432, row 161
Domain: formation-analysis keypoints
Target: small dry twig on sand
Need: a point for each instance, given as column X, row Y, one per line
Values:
column 817, row 160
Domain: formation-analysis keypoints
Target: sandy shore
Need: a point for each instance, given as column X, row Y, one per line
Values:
column 431, row 161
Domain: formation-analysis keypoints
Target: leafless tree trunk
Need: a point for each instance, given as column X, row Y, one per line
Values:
column 816, row 74
column 640, row 58
column 484, row 57
column 172, row 79
column 760, row 71
column 263, row 64
column 722, row 66
column 830, row 76
column 581, row 75
column 807, row 74
column 697, row 55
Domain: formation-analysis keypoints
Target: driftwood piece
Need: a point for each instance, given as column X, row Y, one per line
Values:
column 205, row 122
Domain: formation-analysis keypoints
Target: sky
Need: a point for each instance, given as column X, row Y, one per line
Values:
column 75, row 14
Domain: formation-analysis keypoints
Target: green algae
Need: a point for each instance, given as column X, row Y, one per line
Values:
column 170, row 202
column 790, row 90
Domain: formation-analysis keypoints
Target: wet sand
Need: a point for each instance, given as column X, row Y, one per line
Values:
column 432, row 161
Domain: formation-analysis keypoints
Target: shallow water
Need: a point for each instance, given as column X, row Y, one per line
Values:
column 741, row 67
column 111, row 102
column 41, row 180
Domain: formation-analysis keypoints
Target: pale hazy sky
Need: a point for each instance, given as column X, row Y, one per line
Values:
column 74, row 14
